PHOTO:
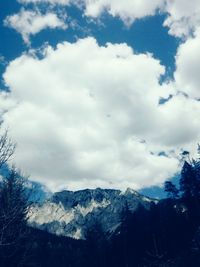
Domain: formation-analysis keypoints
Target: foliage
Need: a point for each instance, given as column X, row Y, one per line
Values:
column 13, row 217
column 13, row 210
column 171, row 190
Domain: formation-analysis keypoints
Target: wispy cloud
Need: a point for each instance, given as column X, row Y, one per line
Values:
column 31, row 22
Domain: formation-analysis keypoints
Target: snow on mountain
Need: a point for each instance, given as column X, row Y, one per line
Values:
column 70, row 213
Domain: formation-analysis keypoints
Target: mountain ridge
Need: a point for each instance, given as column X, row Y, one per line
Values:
column 72, row 213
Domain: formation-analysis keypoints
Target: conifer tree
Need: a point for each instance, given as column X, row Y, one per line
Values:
column 187, row 181
column 13, row 218
column 171, row 190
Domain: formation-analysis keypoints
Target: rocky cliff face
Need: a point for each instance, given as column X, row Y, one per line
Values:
column 70, row 213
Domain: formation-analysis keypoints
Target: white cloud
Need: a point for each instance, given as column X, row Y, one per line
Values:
column 31, row 22
column 6, row 103
column 184, row 17
column 127, row 10
column 188, row 65
column 82, row 112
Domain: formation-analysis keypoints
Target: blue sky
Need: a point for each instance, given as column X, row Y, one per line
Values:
column 100, row 93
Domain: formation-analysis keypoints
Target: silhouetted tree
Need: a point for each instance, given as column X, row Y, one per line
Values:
column 13, row 217
column 171, row 190
column 96, row 244
column 187, row 181
column 190, row 178
column 13, row 209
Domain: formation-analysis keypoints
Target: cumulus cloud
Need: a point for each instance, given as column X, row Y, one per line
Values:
column 127, row 10
column 31, row 22
column 88, row 119
column 188, row 65
column 183, row 15
column 6, row 103
column 183, row 18
column 84, row 116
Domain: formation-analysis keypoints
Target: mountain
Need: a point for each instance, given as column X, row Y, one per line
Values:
column 70, row 213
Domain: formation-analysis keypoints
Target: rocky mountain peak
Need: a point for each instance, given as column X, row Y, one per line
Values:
column 71, row 213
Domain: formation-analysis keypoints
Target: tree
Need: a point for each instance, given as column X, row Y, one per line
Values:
column 190, row 177
column 96, row 243
column 171, row 190
column 187, row 181
column 7, row 148
column 196, row 168
column 13, row 218
column 13, row 209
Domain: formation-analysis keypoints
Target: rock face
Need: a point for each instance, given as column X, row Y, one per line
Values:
column 70, row 213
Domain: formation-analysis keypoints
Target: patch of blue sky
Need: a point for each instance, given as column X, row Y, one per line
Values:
column 146, row 35
column 159, row 191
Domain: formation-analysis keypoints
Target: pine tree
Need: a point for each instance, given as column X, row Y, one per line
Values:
column 187, row 181
column 171, row 190
column 13, row 217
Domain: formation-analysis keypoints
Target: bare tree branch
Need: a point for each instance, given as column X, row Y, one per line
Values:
column 7, row 148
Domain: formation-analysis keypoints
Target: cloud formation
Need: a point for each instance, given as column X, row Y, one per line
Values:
column 88, row 119
column 183, row 16
column 31, row 22
column 188, row 65
column 127, row 10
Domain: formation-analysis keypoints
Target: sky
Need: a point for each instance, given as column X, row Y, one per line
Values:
column 100, row 93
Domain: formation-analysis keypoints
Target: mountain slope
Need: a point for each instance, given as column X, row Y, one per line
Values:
column 70, row 213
